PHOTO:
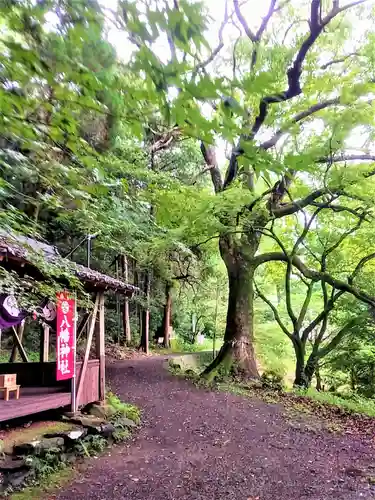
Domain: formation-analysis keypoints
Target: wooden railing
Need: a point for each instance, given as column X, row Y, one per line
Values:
column 44, row 375
column 90, row 386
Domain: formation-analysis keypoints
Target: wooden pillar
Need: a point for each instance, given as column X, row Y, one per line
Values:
column 100, row 347
column 44, row 344
column 147, row 329
column 167, row 314
column 144, row 345
column 87, row 351
column 126, row 316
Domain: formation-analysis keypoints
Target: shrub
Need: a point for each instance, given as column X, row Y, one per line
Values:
column 273, row 380
column 90, row 445
column 122, row 409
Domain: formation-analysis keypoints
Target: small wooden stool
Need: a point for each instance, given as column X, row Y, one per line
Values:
column 7, row 390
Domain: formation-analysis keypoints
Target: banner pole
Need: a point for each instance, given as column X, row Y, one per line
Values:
column 74, row 391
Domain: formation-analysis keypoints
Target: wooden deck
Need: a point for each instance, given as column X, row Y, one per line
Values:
column 33, row 400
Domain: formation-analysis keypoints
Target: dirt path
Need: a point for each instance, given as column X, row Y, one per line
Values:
column 201, row 445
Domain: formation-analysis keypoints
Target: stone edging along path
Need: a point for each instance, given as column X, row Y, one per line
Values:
column 78, row 436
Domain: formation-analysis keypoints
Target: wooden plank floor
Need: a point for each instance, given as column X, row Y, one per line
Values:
column 33, row 400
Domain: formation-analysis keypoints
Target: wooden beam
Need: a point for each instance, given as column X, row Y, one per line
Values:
column 21, row 330
column 44, row 344
column 82, row 326
column 21, row 350
column 100, row 347
column 87, row 351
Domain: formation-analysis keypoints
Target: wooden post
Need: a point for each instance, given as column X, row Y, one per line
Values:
column 100, row 347
column 44, row 344
column 118, row 306
column 126, row 318
column 144, row 345
column 167, row 314
column 147, row 329
column 87, row 351
column 21, row 330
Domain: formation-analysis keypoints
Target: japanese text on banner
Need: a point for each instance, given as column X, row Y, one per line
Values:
column 65, row 349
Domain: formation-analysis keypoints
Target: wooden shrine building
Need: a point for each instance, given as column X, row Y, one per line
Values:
column 39, row 388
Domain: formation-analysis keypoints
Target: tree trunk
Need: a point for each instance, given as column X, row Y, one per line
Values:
column 299, row 349
column 319, row 386
column 125, row 315
column 237, row 351
column 167, row 314
column 310, row 368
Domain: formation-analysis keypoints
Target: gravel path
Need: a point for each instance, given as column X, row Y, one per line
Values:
column 200, row 445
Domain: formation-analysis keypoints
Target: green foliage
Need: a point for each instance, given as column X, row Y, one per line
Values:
column 91, row 445
column 179, row 346
column 350, row 368
column 49, row 485
column 47, row 464
column 272, row 380
column 274, row 351
column 354, row 403
column 91, row 144
column 121, row 434
column 122, row 409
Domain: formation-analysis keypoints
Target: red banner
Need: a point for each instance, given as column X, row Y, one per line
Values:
column 65, row 336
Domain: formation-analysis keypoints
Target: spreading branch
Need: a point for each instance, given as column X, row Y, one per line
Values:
column 202, row 65
column 297, row 118
column 344, row 157
column 255, row 38
column 323, row 315
column 295, row 206
column 357, row 212
column 339, row 336
column 316, row 275
column 317, row 25
column 209, row 155
column 274, row 311
column 250, row 34
column 305, row 306
column 281, row 188
column 339, row 60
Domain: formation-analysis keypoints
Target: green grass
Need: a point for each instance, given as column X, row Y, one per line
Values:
column 52, row 483
column 179, row 347
column 354, row 403
column 274, row 351
column 32, row 356
column 123, row 409
column 22, row 435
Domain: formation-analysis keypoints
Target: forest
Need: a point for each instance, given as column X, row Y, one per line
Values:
column 220, row 161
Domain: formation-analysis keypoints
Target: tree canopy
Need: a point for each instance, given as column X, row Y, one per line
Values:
column 231, row 161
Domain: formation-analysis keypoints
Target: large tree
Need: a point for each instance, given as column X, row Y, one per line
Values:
column 286, row 96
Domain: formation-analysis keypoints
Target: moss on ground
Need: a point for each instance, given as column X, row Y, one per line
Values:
column 121, row 409
column 52, row 467
column 51, row 483
column 36, row 430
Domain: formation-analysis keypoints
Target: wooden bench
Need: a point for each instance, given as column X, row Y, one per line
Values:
column 8, row 390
